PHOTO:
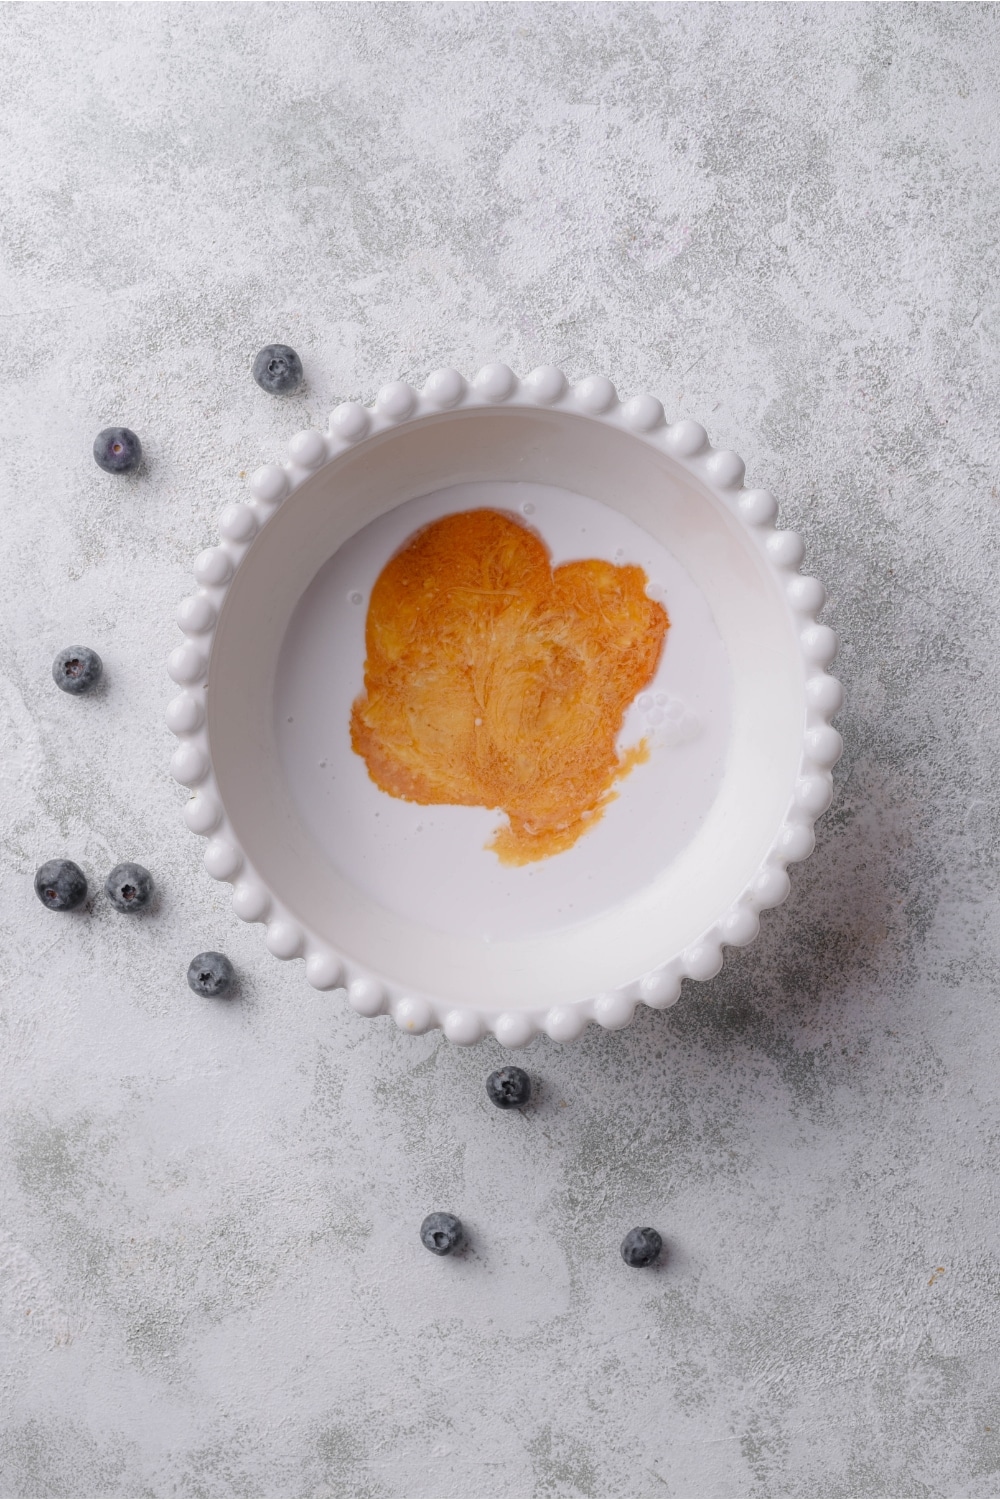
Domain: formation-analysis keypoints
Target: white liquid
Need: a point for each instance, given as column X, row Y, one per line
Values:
column 430, row 863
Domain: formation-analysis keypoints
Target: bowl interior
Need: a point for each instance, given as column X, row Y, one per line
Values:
column 411, row 892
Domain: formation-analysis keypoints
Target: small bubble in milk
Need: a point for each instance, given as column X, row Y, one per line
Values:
column 527, row 508
column 355, row 597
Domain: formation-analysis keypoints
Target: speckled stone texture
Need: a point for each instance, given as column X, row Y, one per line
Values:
column 783, row 221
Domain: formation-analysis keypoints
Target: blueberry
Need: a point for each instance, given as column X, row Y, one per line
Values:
column 77, row 669
column 509, row 1088
column 60, row 884
column 441, row 1233
column 277, row 369
column 129, row 887
column 117, row 450
column 641, row 1247
column 211, row 974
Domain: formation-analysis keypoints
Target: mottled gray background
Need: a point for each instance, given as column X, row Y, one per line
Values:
column 784, row 222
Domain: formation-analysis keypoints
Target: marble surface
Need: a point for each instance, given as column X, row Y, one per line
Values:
column 782, row 220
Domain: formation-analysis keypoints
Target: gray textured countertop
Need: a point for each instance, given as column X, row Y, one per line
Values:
column 783, row 222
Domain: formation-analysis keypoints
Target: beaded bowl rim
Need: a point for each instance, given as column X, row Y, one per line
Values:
column 398, row 403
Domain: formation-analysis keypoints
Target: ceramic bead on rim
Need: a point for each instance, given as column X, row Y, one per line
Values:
column 298, row 506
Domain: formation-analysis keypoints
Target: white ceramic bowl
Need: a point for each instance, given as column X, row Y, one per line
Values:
column 403, row 905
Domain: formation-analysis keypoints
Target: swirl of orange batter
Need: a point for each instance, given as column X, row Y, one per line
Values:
column 494, row 680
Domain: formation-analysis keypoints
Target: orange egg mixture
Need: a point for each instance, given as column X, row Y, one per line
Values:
column 494, row 680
